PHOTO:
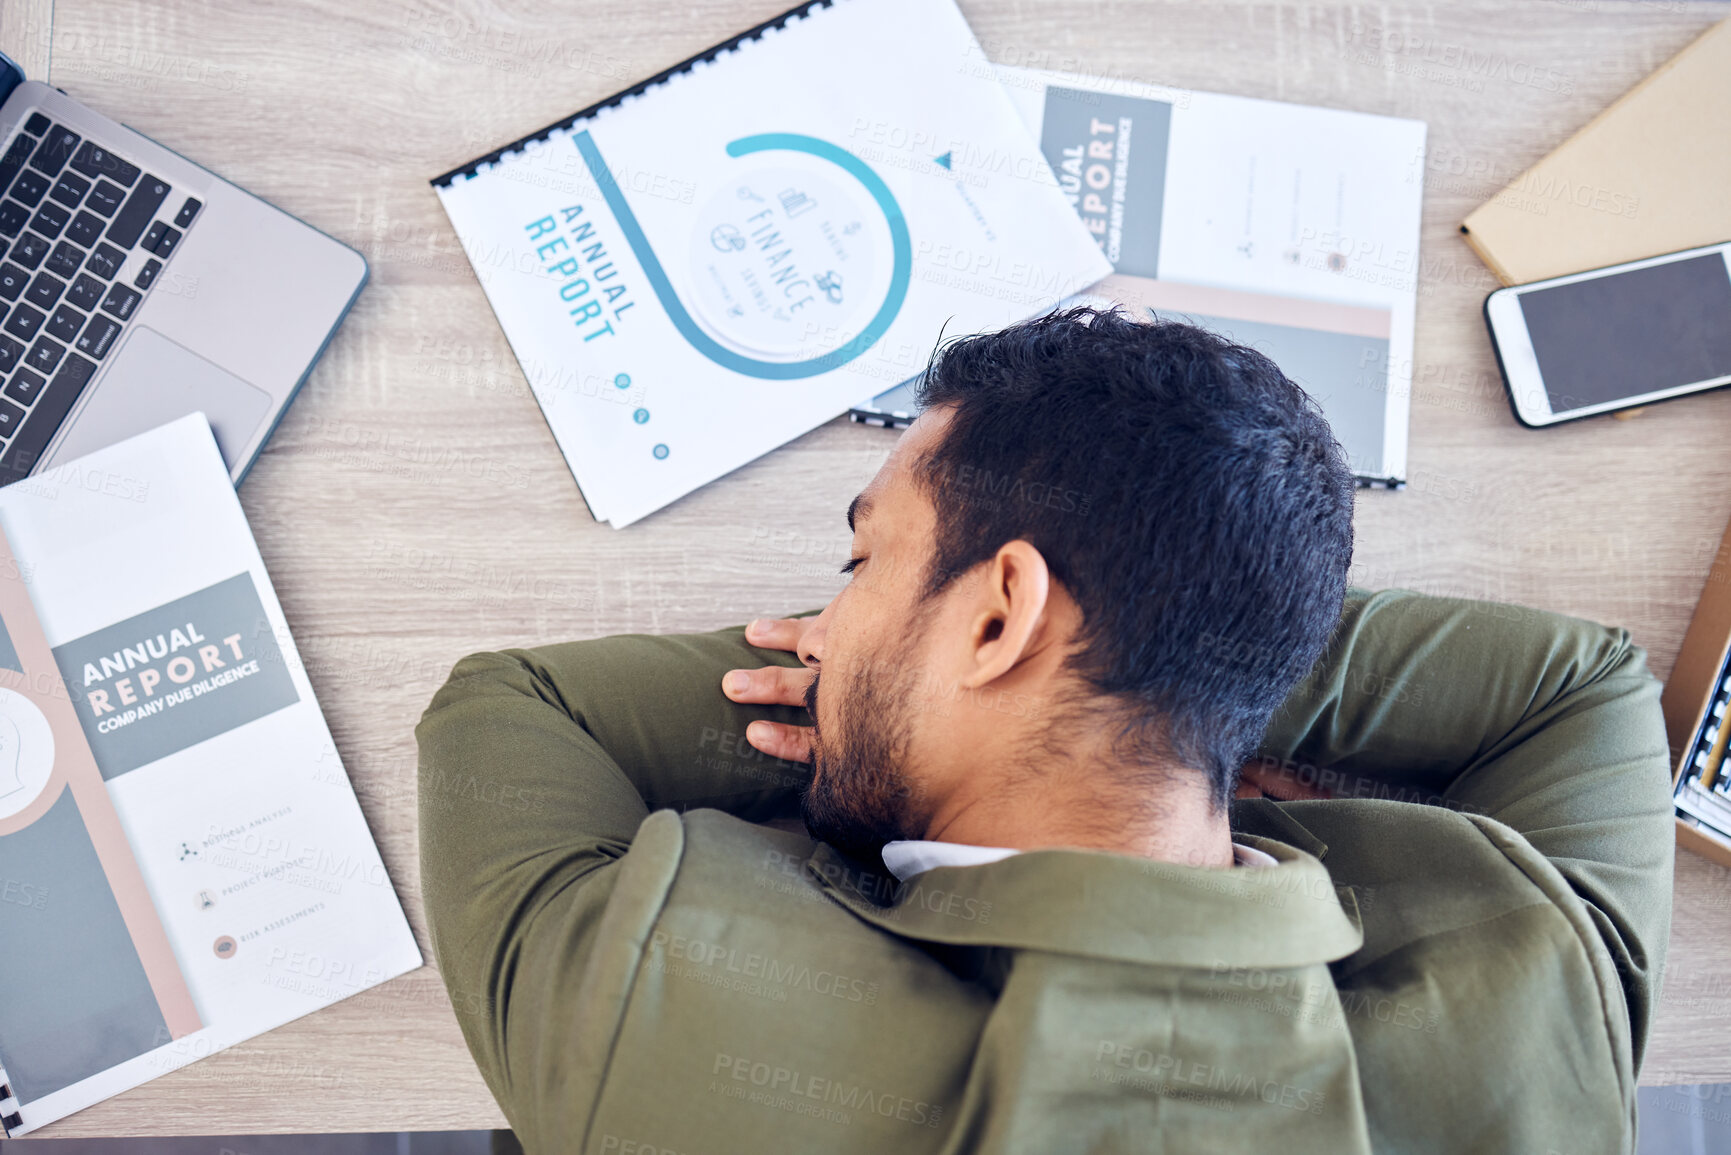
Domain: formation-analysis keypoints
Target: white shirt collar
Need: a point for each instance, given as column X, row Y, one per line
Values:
column 908, row 857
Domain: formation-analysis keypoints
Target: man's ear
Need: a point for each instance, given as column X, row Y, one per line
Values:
column 1010, row 614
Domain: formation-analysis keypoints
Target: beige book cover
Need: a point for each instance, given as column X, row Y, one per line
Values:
column 1647, row 176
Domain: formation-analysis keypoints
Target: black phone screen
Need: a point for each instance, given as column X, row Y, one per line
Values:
column 1631, row 333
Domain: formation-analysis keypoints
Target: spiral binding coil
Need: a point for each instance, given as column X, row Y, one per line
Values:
column 10, row 1120
column 708, row 56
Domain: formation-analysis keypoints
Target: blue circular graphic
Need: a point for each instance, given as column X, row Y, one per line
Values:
column 660, row 452
column 901, row 247
column 641, row 416
column 623, row 380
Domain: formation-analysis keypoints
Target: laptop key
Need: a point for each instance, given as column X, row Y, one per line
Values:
column 16, row 154
column 57, row 401
column 29, row 187
column 165, row 243
column 85, row 293
column 86, row 229
column 93, row 161
column 121, row 301
column 13, row 218
column 44, row 355
column 10, row 352
column 147, row 275
column 135, row 214
column 26, row 387
column 65, row 323
column 44, row 290
column 55, row 150
column 187, row 212
column 66, row 259
column 98, row 336
column 152, row 235
column 12, row 281
column 69, row 189
column 24, row 322
column 105, row 198
column 37, row 124
column 105, row 261
column 29, row 250
column 50, row 219
column 11, row 417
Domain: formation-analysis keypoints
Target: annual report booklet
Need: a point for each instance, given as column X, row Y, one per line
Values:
column 1291, row 229
column 1285, row 227
column 183, row 862
column 715, row 261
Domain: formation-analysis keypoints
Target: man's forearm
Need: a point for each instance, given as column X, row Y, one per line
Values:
column 536, row 769
column 650, row 706
column 1459, row 702
column 1548, row 724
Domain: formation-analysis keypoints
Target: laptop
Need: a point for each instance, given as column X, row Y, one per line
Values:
column 137, row 287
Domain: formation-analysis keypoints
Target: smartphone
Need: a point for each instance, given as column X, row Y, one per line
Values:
column 1614, row 338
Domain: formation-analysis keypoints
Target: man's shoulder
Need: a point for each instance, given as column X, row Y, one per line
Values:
column 1423, row 871
column 752, row 990
column 1478, row 955
column 724, row 888
column 756, row 994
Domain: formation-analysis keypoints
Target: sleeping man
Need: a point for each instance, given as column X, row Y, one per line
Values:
column 979, row 858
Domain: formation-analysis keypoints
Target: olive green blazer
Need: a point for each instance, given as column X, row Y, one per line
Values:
column 1458, row 953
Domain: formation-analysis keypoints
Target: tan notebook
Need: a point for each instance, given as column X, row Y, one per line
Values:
column 1649, row 175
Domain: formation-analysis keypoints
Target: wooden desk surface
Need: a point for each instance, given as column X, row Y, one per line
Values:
column 413, row 508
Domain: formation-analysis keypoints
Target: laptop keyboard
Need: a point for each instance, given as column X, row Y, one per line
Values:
column 72, row 212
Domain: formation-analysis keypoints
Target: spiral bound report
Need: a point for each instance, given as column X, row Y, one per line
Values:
column 707, row 56
column 706, row 265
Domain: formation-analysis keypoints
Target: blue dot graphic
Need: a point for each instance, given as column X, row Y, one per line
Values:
column 641, row 416
column 623, row 380
column 660, row 452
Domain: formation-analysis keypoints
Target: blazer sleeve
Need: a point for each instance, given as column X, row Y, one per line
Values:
column 536, row 769
column 1547, row 724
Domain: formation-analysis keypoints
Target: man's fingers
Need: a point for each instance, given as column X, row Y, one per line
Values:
column 770, row 686
column 776, row 633
column 789, row 743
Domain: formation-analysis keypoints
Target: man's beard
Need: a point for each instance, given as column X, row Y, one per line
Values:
column 860, row 796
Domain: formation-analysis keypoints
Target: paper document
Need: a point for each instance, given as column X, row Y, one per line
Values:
column 1287, row 228
column 732, row 256
column 183, row 863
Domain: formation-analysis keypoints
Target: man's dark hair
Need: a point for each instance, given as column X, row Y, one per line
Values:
column 1191, row 499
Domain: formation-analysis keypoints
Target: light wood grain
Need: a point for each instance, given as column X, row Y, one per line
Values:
column 413, row 508
column 27, row 34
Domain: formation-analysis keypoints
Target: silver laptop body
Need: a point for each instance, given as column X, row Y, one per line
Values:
column 138, row 287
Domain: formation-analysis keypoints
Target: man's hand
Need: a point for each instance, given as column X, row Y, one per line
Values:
column 775, row 686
